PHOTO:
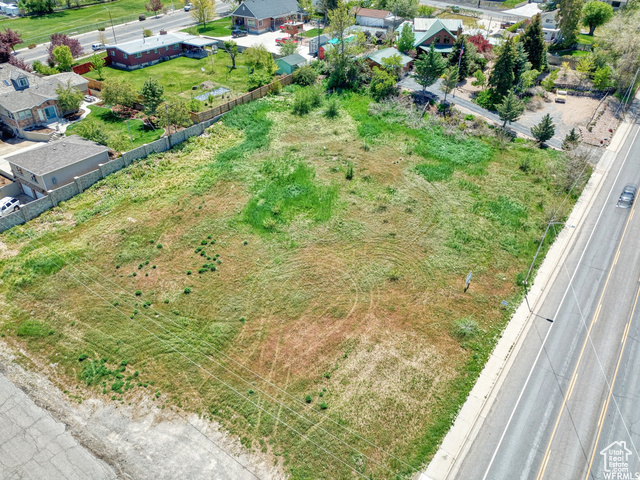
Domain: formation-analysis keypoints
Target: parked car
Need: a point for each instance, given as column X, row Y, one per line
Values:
column 142, row 17
column 188, row 7
column 238, row 32
column 280, row 41
column 89, row 98
column 561, row 96
column 627, row 196
column 97, row 46
column 9, row 205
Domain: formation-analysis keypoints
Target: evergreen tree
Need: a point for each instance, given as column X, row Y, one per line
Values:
column 405, row 42
column 511, row 108
column 571, row 140
column 544, row 130
column 521, row 64
column 456, row 60
column 569, row 15
column 534, row 44
column 153, row 94
column 502, row 78
column 429, row 67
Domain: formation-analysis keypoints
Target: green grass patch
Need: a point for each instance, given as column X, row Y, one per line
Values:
column 586, row 39
column 313, row 32
column 288, row 190
column 136, row 134
column 33, row 329
column 217, row 28
column 435, row 173
column 38, row 28
column 179, row 75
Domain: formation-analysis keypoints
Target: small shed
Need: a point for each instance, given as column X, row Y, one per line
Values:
column 372, row 18
column 54, row 164
column 376, row 59
column 288, row 64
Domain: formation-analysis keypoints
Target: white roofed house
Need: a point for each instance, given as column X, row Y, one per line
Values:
column 548, row 19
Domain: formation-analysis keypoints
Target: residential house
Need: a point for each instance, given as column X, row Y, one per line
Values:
column 376, row 59
column 455, row 26
column 436, row 33
column 316, row 42
column 28, row 101
column 53, row 165
column 548, row 19
column 369, row 17
column 151, row 50
column 288, row 64
column 261, row 16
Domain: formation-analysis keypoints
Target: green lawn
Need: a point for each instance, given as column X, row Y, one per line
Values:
column 37, row 29
column 217, row 28
column 179, row 75
column 586, row 39
column 114, row 126
column 312, row 33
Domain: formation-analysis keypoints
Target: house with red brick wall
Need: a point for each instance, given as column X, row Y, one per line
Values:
column 441, row 33
column 261, row 16
column 151, row 50
column 28, row 101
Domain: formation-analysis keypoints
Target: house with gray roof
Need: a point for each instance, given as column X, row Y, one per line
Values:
column 261, row 16
column 28, row 101
column 147, row 51
column 53, row 165
column 377, row 58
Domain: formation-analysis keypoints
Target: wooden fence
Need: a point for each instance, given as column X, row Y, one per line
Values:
column 86, row 67
column 246, row 98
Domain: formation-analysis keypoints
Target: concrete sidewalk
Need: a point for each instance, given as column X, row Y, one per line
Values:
column 472, row 414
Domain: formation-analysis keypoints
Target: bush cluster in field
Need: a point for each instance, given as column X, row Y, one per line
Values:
column 97, row 372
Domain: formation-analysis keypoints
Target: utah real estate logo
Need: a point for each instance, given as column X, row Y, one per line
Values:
column 615, row 461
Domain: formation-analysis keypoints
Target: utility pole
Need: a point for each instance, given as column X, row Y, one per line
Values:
column 112, row 28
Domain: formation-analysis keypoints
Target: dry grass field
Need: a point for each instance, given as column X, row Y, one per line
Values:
column 297, row 279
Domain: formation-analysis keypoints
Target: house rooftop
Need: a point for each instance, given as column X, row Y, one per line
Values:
column 526, row 11
column 53, row 156
column 371, row 13
column 160, row 41
column 424, row 24
column 293, row 59
column 436, row 26
column 266, row 8
column 385, row 53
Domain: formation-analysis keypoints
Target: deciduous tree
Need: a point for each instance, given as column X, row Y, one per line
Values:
column 118, row 92
column 511, row 108
column 288, row 48
column 383, row 83
column 58, row 39
column 62, row 58
column 97, row 64
column 534, row 44
column 37, row 6
column 69, row 97
column 203, row 11
column 544, row 130
column 595, row 14
column 232, row 49
column 449, row 80
column 20, row 63
column 340, row 57
column 10, row 38
column 259, row 58
column 154, row 6
column 602, row 78
column 569, row 12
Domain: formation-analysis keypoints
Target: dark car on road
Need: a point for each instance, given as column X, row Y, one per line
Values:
column 627, row 196
column 237, row 32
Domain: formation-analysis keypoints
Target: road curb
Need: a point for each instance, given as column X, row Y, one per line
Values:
column 458, row 440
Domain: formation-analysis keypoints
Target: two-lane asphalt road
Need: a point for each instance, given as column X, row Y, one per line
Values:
column 570, row 405
column 123, row 33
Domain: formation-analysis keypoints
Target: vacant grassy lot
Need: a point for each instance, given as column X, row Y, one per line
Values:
column 136, row 134
column 297, row 279
column 37, row 29
column 179, row 75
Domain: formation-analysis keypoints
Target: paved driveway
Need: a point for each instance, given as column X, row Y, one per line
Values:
column 522, row 126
